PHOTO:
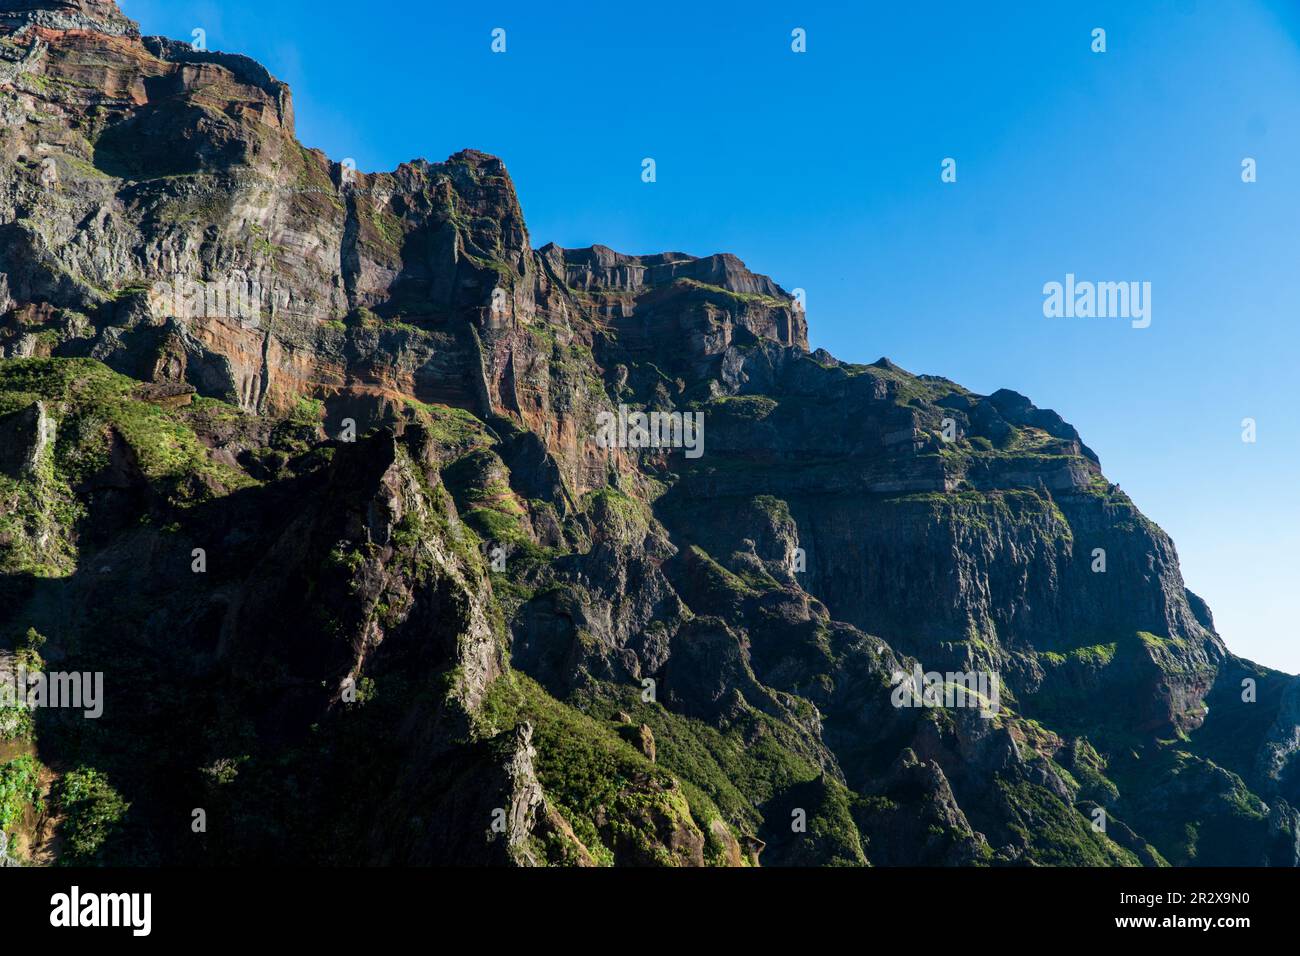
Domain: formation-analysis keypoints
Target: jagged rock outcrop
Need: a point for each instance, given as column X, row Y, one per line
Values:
column 25, row 439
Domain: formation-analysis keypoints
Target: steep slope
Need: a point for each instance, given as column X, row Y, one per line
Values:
column 305, row 461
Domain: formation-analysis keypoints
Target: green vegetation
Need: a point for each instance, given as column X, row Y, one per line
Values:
column 1021, row 509
column 1208, row 813
column 493, row 525
column 309, row 412
column 15, row 723
column 748, row 298
column 716, row 580
column 777, row 511
column 1098, row 655
column 619, row 516
column 37, row 519
column 90, row 401
column 96, row 416
column 904, row 387
column 454, row 430
column 1095, row 656
column 1055, row 834
column 748, row 407
column 20, row 789
column 737, row 769
column 619, row 804
column 92, row 810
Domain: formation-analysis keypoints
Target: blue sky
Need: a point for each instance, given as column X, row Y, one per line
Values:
column 823, row 170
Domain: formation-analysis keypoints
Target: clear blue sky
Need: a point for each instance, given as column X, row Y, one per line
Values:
column 822, row 170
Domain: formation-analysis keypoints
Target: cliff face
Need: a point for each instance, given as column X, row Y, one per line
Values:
column 369, row 408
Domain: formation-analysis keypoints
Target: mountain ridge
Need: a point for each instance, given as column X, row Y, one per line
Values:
column 369, row 402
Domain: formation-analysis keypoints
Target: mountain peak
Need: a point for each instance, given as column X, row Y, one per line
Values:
column 95, row 16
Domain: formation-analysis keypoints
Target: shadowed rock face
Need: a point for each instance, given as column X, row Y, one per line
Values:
column 440, row 622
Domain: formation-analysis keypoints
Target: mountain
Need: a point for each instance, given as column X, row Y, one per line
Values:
column 325, row 472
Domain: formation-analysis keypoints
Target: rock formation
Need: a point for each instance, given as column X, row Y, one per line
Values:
column 304, row 460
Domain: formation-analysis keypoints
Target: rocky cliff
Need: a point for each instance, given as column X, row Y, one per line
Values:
column 307, row 462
